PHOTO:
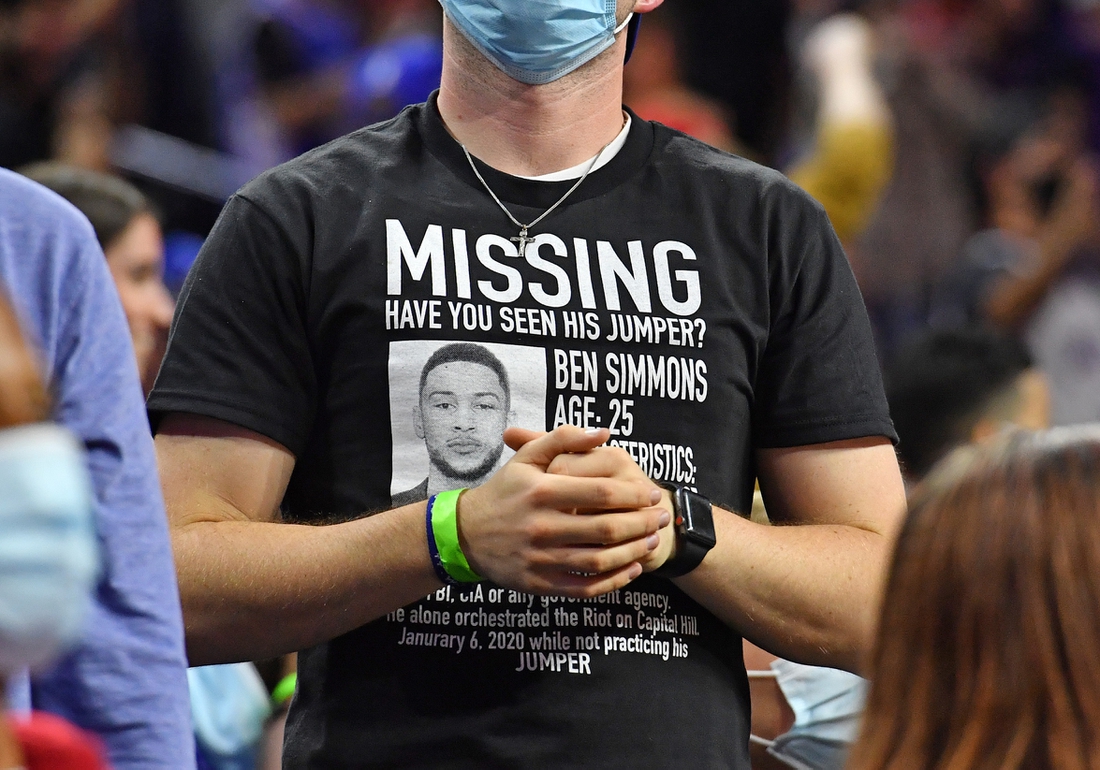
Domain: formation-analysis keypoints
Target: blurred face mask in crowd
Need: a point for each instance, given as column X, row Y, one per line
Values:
column 48, row 554
column 537, row 41
column 826, row 702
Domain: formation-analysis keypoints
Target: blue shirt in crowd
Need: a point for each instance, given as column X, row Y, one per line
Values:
column 126, row 681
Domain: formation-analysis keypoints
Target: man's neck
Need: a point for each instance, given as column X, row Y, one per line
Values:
column 529, row 130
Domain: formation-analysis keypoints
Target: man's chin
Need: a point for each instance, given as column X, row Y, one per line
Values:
column 468, row 472
column 476, row 473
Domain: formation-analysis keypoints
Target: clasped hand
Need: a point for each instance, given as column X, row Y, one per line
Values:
column 565, row 516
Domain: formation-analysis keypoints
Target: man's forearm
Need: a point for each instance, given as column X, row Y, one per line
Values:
column 253, row 590
column 808, row 592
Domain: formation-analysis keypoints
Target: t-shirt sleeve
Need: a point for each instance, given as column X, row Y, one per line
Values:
column 238, row 350
column 819, row 378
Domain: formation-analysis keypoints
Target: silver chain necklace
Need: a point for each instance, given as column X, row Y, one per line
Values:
column 523, row 238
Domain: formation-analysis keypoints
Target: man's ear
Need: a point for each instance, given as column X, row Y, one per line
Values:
column 645, row 6
column 418, row 422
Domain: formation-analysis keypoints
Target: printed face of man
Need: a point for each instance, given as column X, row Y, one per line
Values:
column 462, row 416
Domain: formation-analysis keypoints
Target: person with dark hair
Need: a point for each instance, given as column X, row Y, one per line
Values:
column 958, row 386
column 131, row 239
column 986, row 654
column 464, row 406
column 686, row 317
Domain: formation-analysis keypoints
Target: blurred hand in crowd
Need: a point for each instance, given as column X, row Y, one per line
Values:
column 1045, row 188
column 1046, row 192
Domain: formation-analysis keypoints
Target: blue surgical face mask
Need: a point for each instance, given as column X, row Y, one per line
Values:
column 48, row 551
column 827, row 703
column 537, row 41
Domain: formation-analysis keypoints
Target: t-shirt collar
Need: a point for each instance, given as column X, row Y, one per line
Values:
column 637, row 145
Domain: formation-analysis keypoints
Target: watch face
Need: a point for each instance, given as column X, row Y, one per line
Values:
column 698, row 523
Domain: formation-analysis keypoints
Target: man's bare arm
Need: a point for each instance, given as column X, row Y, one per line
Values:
column 253, row 587
column 809, row 593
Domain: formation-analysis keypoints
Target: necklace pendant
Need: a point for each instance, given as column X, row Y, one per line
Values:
column 522, row 240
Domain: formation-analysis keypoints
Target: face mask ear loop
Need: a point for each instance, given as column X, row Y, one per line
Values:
column 629, row 18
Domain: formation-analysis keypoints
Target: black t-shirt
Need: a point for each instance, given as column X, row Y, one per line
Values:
column 696, row 304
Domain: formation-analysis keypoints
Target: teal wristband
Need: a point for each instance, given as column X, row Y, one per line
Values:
column 444, row 518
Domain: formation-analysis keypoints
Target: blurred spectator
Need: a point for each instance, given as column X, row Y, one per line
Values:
column 953, row 387
column 126, row 678
column 48, row 557
column 230, row 707
column 1084, row 26
column 736, row 54
column 655, row 89
column 55, row 73
column 75, row 73
column 23, row 397
column 327, row 67
column 959, row 76
column 986, row 653
column 229, row 704
column 283, row 684
column 130, row 236
column 802, row 716
column 1036, row 269
column 850, row 157
column 171, row 87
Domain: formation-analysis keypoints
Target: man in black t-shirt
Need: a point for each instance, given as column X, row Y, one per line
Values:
column 664, row 312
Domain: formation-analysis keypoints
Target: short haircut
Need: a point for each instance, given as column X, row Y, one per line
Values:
column 109, row 203
column 468, row 352
column 940, row 385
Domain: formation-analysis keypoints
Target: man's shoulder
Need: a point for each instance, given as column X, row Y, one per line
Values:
column 677, row 152
column 350, row 163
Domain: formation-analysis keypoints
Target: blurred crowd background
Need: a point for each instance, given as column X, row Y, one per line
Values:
column 951, row 141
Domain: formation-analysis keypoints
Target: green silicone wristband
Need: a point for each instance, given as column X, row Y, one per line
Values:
column 445, row 529
column 284, row 689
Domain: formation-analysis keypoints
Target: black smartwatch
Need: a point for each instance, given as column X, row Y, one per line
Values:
column 694, row 531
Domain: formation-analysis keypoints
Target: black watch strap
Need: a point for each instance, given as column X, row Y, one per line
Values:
column 694, row 527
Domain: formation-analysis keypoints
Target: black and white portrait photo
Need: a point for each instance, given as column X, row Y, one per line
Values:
column 449, row 405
